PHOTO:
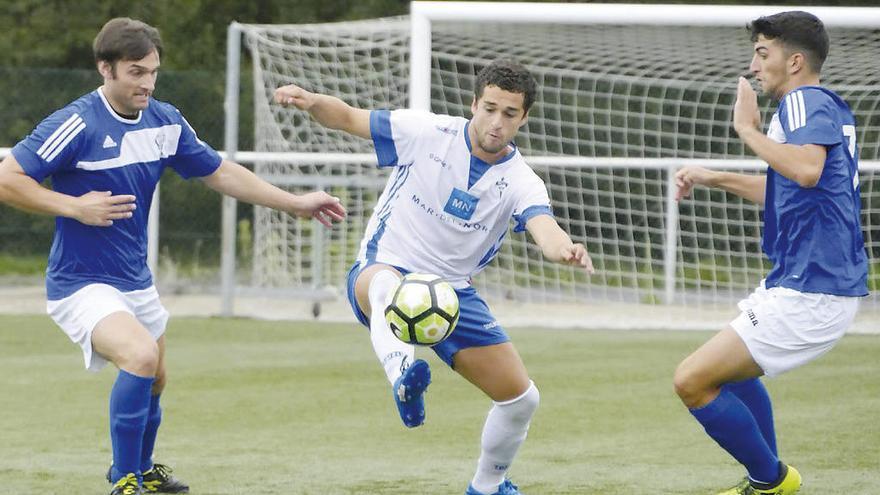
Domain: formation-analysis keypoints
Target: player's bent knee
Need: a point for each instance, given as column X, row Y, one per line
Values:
column 688, row 386
column 141, row 359
column 522, row 408
column 364, row 281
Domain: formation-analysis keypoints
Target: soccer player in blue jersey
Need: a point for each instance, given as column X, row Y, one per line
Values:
column 455, row 187
column 812, row 235
column 105, row 153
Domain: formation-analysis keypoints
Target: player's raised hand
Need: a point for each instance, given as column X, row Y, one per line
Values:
column 320, row 206
column 293, row 95
column 745, row 111
column 576, row 254
column 687, row 177
column 101, row 208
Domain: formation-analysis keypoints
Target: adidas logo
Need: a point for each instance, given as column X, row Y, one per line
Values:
column 109, row 142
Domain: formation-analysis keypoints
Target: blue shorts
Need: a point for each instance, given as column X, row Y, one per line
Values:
column 476, row 326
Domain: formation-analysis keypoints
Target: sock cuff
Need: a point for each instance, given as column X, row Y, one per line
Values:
column 531, row 391
column 380, row 284
column 743, row 386
column 714, row 408
column 135, row 379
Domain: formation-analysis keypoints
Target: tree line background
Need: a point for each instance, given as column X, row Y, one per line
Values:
column 46, row 61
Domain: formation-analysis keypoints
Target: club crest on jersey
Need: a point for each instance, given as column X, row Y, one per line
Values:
column 461, row 204
column 501, row 185
column 160, row 143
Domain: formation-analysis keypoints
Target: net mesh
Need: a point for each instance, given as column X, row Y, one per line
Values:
column 605, row 91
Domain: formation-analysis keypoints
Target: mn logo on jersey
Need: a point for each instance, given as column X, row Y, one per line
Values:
column 461, row 204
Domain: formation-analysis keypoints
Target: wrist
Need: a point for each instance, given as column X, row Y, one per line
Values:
column 68, row 208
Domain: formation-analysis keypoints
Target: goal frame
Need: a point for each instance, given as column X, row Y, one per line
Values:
column 424, row 13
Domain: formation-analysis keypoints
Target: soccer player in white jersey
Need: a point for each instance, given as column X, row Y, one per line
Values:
column 455, row 187
column 812, row 235
column 105, row 153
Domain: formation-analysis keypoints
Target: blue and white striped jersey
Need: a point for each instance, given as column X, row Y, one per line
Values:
column 444, row 211
column 813, row 235
column 86, row 146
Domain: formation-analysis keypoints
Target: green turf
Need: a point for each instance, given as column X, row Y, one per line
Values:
column 282, row 408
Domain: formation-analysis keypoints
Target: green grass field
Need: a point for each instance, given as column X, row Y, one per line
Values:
column 289, row 408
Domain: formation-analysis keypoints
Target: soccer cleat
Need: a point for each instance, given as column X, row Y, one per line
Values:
column 789, row 485
column 506, row 488
column 127, row 485
column 739, row 489
column 409, row 393
column 158, row 479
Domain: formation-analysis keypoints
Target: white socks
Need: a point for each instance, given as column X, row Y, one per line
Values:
column 393, row 353
column 505, row 430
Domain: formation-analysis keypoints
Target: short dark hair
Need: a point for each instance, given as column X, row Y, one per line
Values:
column 125, row 39
column 509, row 76
column 797, row 31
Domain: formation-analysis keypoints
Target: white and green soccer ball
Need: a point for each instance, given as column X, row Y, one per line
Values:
column 422, row 309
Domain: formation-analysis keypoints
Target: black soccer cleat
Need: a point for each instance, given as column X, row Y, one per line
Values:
column 127, row 485
column 158, row 479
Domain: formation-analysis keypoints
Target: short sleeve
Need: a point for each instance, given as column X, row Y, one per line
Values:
column 532, row 202
column 809, row 117
column 194, row 158
column 53, row 145
column 396, row 134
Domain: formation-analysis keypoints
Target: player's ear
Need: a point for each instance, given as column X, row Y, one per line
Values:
column 796, row 62
column 525, row 118
column 105, row 69
column 474, row 105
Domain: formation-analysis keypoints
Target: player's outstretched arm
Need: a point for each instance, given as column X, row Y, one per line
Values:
column 800, row 163
column 99, row 208
column 748, row 186
column 234, row 180
column 556, row 244
column 329, row 111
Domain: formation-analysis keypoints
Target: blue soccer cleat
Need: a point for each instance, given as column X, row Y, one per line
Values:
column 506, row 488
column 409, row 393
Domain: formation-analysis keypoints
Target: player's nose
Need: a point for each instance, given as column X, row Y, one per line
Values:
column 754, row 67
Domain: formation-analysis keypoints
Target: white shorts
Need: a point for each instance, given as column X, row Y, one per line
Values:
column 784, row 328
column 78, row 313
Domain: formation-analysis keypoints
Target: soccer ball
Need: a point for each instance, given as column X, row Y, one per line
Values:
column 422, row 309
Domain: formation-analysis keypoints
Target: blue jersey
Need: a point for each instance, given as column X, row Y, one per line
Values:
column 813, row 235
column 86, row 146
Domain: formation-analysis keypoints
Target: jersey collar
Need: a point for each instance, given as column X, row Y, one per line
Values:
column 467, row 140
column 116, row 115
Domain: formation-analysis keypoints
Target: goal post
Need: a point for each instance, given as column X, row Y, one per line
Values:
column 627, row 94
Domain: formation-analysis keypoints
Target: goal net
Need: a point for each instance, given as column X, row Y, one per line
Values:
column 621, row 106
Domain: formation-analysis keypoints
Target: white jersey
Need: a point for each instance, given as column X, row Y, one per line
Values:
column 444, row 211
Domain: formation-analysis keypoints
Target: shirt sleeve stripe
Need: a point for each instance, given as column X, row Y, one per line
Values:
column 802, row 108
column 380, row 128
column 789, row 111
column 70, row 122
column 67, row 140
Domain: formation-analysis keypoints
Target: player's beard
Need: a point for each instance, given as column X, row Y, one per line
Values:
column 492, row 149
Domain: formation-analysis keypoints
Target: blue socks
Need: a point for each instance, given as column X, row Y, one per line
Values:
column 730, row 423
column 129, row 408
column 154, row 417
column 753, row 394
